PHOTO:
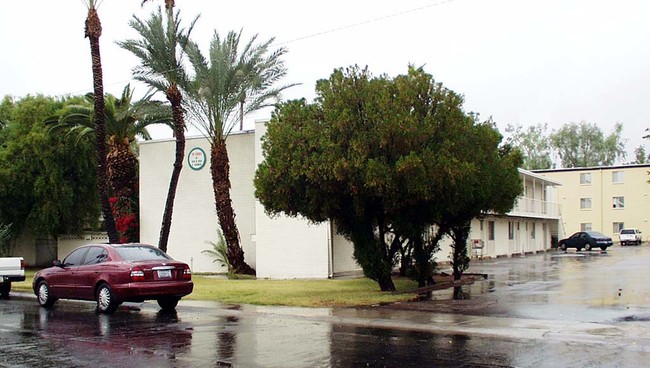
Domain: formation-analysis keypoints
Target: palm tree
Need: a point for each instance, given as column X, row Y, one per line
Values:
column 160, row 51
column 93, row 31
column 125, row 121
column 220, row 84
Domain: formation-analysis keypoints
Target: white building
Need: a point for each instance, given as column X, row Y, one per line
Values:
column 286, row 247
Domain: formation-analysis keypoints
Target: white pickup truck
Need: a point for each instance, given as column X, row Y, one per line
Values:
column 11, row 269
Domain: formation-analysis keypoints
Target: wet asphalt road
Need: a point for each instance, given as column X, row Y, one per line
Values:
column 587, row 309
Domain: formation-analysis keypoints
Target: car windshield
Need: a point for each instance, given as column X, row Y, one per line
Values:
column 140, row 253
column 595, row 234
column 627, row 231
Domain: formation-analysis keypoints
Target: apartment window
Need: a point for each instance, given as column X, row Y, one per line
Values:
column 585, row 226
column 618, row 202
column 490, row 230
column 511, row 230
column 585, row 179
column 618, row 226
column 585, row 203
column 532, row 230
column 617, row 177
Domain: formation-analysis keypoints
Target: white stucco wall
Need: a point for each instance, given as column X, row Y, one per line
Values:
column 343, row 255
column 194, row 218
column 67, row 243
column 288, row 247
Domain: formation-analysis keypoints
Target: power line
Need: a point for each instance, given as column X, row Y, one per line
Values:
column 373, row 20
column 302, row 38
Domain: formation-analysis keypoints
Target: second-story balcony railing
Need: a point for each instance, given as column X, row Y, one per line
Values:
column 531, row 207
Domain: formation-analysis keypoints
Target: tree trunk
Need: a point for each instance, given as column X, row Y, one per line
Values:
column 122, row 168
column 386, row 282
column 460, row 259
column 123, row 178
column 220, row 170
column 93, row 32
column 421, row 260
column 175, row 98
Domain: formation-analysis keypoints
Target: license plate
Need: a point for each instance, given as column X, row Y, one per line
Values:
column 164, row 274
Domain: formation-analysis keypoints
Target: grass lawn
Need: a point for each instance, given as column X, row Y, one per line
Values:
column 299, row 293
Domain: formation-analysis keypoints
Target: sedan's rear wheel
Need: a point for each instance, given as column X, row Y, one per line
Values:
column 44, row 296
column 563, row 246
column 168, row 303
column 106, row 302
column 587, row 247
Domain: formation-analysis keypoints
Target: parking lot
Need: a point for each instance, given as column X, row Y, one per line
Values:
column 579, row 309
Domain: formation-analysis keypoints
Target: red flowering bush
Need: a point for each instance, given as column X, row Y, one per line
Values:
column 126, row 219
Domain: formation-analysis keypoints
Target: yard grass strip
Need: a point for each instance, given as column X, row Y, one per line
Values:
column 295, row 292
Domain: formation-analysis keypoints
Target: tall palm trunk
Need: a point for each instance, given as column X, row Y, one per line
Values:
column 93, row 32
column 122, row 168
column 175, row 98
column 220, row 170
column 123, row 178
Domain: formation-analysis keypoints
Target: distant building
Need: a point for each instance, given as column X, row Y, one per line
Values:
column 605, row 199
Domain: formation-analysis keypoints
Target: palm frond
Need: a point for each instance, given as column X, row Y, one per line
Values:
column 160, row 49
column 219, row 252
column 231, row 73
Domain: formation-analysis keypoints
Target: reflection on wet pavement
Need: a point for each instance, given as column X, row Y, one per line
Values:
column 547, row 310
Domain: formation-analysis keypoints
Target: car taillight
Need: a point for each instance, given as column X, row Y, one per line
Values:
column 187, row 273
column 137, row 274
column 22, row 264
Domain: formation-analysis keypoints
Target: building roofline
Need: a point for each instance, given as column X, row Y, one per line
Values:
column 539, row 177
column 193, row 138
column 592, row 168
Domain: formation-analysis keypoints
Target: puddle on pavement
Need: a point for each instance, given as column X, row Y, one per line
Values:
column 635, row 318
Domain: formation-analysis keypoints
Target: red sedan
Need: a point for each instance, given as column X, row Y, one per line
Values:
column 112, row 274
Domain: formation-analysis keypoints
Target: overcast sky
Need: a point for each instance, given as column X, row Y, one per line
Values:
column 519, row 61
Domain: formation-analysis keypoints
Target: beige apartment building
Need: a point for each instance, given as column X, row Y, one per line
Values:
column 604, row 199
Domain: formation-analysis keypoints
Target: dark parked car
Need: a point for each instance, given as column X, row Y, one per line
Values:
column 587, row 240
column 112, row 274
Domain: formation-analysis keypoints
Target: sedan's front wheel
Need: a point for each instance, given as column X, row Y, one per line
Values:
column 168, row 303
column 44, row 296
column 106, row 302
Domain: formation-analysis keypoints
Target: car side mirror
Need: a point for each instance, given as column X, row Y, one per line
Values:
column 57, row 263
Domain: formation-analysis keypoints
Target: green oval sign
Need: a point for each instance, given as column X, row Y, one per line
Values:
column 196, row 158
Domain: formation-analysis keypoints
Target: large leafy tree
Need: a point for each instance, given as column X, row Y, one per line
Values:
column 640, row 155
column 234, row 75
column 125, row 121
column 47, row 181
column 534, row 143
column 490, row 183
column 93, row 32
column 381, row 158
column 585, row 144
column 160, row 50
